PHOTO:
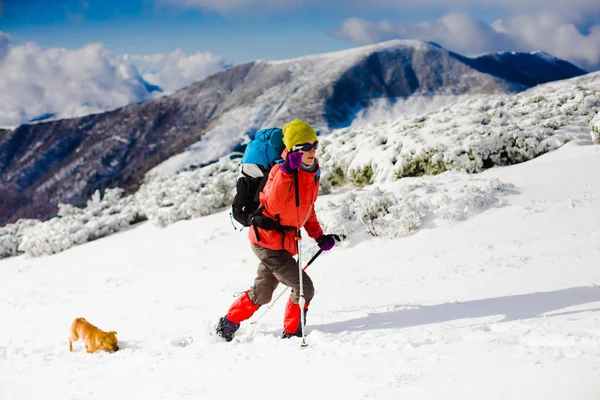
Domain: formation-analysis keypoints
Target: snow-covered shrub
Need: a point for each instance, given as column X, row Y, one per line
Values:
column 384, row 214
column 468, row 136
column 397, row 209
column 428, row 162
column 595, row 132
column 101, row 217
column 162, row 200
column 11, row 236
column 337, row 176
column 325, row 187
column 362, row 176
column 189, row 194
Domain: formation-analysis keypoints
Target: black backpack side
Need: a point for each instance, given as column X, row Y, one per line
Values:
column 247, row 197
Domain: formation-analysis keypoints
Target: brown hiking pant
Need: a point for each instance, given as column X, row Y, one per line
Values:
column 278, row 266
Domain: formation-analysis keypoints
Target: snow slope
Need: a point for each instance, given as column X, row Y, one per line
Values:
column 503, row 304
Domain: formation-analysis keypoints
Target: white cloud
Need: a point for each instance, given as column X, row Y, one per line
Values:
column 36, row 81
column 68, row 83
column 456, row 31
column 515, row 5
column 362, row 31
column 553, row 32
column 176, row 69
column 468, row 34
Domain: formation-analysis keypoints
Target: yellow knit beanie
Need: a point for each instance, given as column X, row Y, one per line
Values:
column 297, row 132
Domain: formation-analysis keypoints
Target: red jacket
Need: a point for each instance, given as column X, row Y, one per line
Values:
column 279, row 199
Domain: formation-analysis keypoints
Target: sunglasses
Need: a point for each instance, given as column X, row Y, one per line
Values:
column 306, row 146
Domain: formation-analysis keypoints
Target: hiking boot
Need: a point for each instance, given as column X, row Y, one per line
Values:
column 226, row 329
column 287, row 335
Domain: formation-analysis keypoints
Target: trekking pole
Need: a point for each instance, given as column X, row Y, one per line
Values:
column 302, row 300
column 284, row 290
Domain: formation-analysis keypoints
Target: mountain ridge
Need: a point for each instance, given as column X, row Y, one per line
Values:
column 65, row 161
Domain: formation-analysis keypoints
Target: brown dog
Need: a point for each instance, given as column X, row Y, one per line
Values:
column 93, row 337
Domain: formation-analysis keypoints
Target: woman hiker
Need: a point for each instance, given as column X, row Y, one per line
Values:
column 276, row 248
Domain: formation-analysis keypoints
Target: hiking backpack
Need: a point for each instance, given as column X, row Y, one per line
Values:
column 262, row 153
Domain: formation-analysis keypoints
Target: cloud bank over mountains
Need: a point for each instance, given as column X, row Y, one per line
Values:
column 174, row 70
column 553, row 32
column 37, row 83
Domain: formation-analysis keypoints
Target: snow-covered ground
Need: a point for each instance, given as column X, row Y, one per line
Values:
column 502, row 303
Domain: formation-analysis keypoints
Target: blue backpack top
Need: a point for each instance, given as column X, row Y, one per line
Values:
column 265, row 147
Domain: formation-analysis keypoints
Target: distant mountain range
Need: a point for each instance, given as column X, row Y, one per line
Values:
column 65, row 161
column 528, row 69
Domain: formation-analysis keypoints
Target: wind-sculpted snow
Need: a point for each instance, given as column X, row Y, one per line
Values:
column 469, row 136
column 398, row 209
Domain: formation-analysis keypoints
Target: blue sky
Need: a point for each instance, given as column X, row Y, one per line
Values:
column 75, row 57
column 238, row 30
column 145, row 27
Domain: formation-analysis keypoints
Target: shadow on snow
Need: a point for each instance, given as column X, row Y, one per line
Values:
column 517, row 307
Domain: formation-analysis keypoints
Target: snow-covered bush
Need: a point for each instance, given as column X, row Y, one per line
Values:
column 162, row 200
column 189, row 194
column 397, row 209
column 11, row 236
column 101, row 217
column 595, row 132
column 467, row 136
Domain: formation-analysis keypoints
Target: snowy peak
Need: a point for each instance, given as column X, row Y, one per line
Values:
column 361, row 51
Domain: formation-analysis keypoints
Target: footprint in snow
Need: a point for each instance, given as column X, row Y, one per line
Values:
column 182, row 341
